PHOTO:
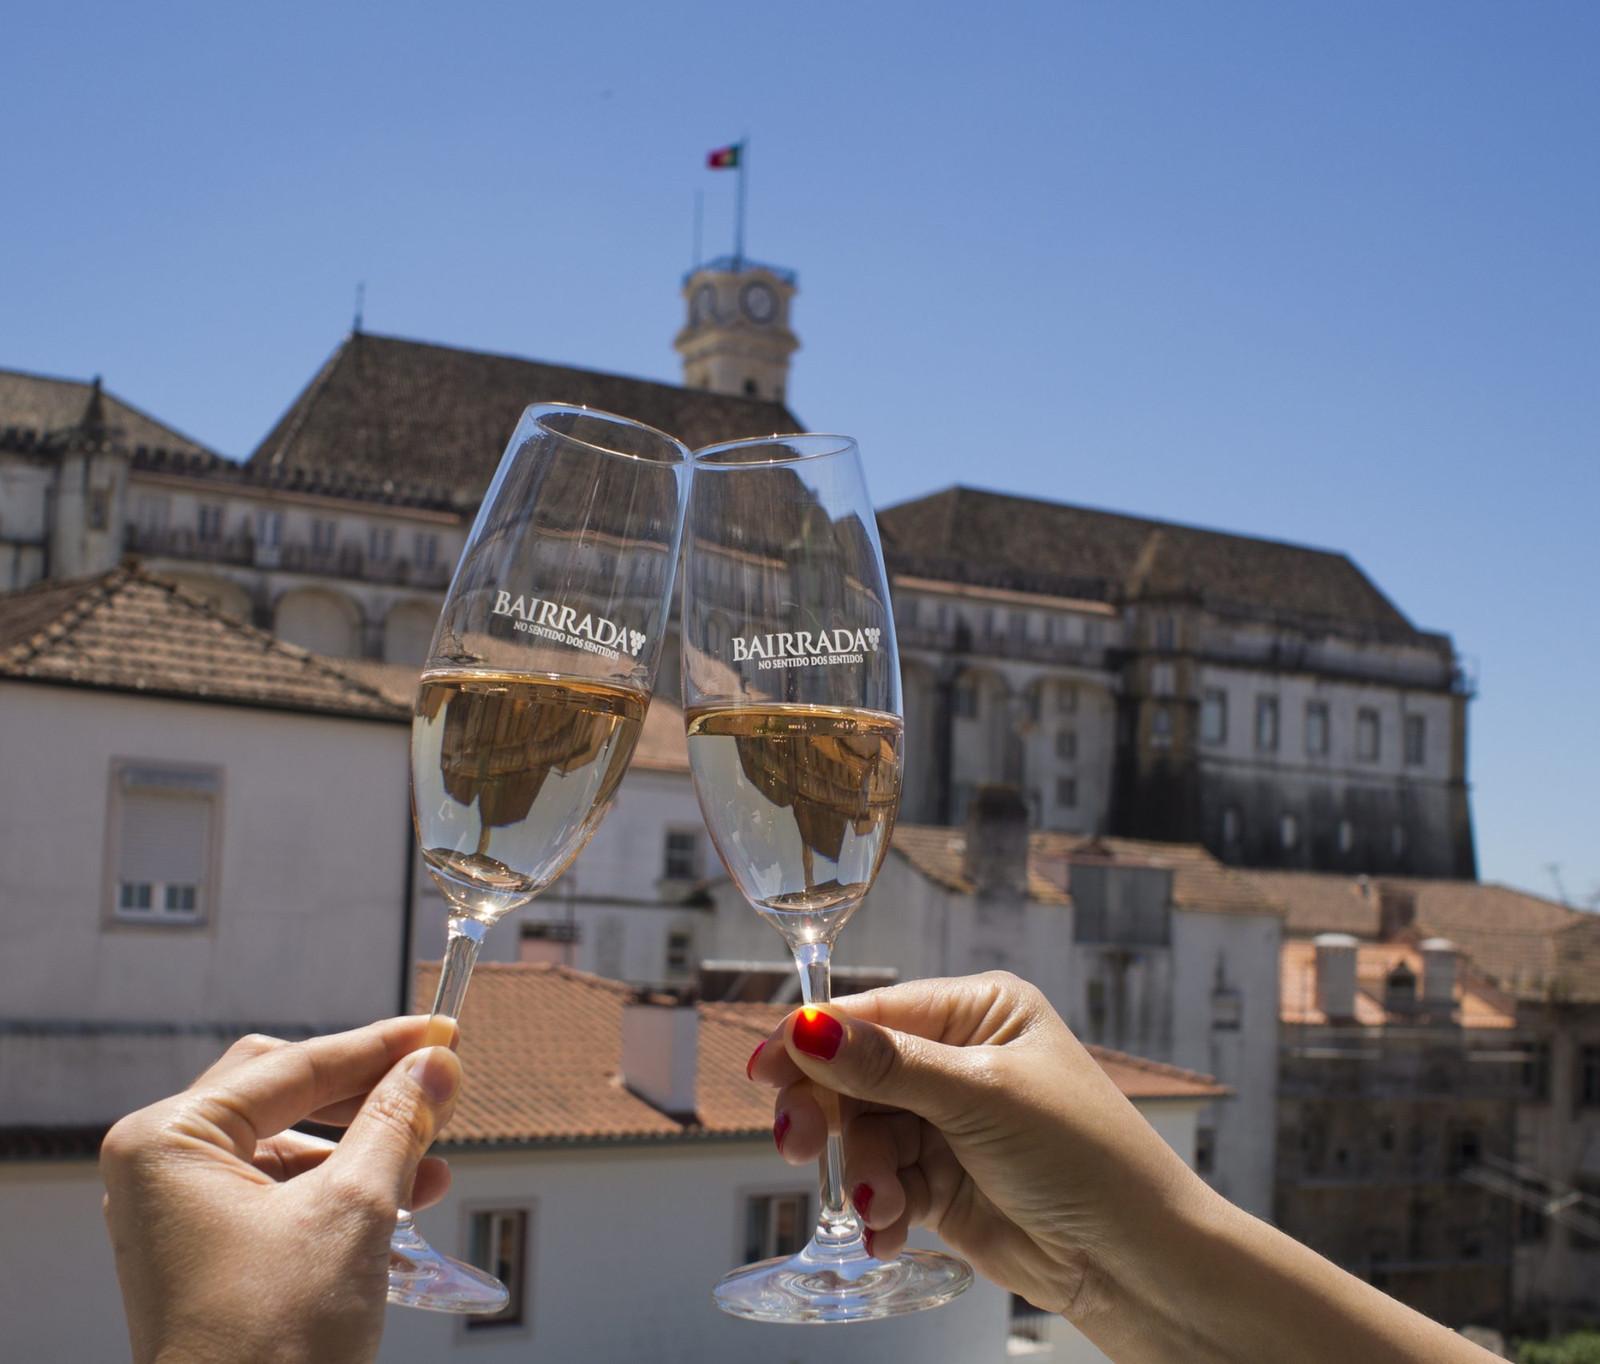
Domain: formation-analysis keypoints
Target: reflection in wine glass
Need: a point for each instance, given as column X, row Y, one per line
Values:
column 531, row 702
column 792, row 689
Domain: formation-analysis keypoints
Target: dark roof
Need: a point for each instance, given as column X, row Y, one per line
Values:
column 36, row 406
column 127, row 631
column 997, row 540
column 439, row 417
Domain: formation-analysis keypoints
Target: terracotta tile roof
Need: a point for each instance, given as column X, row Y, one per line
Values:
column 439, row 417
column 1478, row 1004
column 662, row 746
column 44, row 407
column 542, row 1049
column 1142, row 1079
column 1199, row 881
column 128, row 631
column 995, row 540
column 1512, row 938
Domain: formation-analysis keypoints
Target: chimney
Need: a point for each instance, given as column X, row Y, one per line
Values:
column 660, row 1048
column 1438, row 975
column 1336, row 975
column 1397, row 910
column 996, row 857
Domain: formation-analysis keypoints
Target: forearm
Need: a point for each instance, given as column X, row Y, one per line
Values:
column 1201, row 1281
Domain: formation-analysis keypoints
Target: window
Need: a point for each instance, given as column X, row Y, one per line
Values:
column 324, row 535
column 1400, row 987
column 1367, row 735
column 1166, row 634
column 1289, row 831
column 989, row 623
column 269, row 529
column 380, row 544
column 1214, row 716
column 1034, row 703
column 680, row 951
column 1161, row 679
column 1017, row 627
column 208, row 527
column 1161, row 728
column 498, row 1242
column 964, row 699
column 1267, row 723
column 425, row 550
column 1416, row 740
column 1066, row 698
column 681, row 855
column 1536, row 1072
column 1587, row 1093
column 1230, row 825
column 1093, row 634
column 1066, row 792
column 164, row 823
column 1205, row 1150
column 99, row 508
column 1227, row 1009
column 1067, row 744
column 1347, row 835
column 1316, row 729
column 775, row 1224
column 152, row 515
column 1397, row 841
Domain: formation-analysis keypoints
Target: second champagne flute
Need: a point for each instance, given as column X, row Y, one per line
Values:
column 531, row 701
column 792, row 696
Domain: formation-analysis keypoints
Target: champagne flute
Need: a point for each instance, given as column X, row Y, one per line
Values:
column 531, row 702
column 792, row 695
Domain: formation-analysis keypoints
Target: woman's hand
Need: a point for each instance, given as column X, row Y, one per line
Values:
column 239, row 1240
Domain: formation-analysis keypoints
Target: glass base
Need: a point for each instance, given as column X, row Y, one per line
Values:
column 821, row 1285
column 420, row 1276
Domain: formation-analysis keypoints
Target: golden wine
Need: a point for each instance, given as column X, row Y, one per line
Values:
column 510, row 776
column 800, row 801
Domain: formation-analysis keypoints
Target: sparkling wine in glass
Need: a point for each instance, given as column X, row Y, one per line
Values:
column 531, row 701
column 792, row 689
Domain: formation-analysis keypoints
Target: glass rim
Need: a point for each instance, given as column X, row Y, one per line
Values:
column 676, row 452
column 796, row 446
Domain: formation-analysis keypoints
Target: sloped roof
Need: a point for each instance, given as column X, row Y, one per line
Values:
column 439, row 416
column 1513, row 938
column 542, row 1049
column 127, row 631
column 1199, row 881
column 998, row 540
column 1478, row 1004
column 662, row 746
column 42, row 406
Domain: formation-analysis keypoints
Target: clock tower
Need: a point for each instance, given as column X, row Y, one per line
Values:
column 737, row 337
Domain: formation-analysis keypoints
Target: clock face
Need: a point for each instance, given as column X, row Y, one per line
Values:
column 705, row 304
column 760, row 304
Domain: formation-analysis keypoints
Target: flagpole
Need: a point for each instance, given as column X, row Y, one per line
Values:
column 738, row 240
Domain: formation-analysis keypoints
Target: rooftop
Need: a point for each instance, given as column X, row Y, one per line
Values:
column 37, row 406
column 1477, row 1003
column 542, row 1049
column 130, row 632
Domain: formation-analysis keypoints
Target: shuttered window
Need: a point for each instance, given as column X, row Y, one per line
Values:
column 164, row 822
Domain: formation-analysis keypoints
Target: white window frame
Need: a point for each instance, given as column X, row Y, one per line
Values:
column 1267, row 722
column 154, row 777
column 1367, row 722
column 516, row 1318
column 693, row 846
column 770, row 1245
column 1214, row 716
column 1317, row 734
column 1415, row 728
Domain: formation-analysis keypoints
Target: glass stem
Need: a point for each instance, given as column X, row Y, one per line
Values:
column 460, row 952
column 837, row 1224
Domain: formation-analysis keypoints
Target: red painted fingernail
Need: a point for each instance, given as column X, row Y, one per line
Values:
column 861, row 1196
column 780, row 1129
column 866, row 1240
column 750, row 1065
column 818, row 1034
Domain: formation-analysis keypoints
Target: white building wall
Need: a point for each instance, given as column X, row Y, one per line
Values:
column 307, row 912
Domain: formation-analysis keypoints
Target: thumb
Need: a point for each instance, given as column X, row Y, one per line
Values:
column 398, row 1122
column 879, row 1065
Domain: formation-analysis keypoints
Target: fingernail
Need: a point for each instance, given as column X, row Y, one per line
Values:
column 780, row 1129
column 866, row 1240
column 436, row 1073
column 861, row 1196
column 750, row 1065
column 818, row 1034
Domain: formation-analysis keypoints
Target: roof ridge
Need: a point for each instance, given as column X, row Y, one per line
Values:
column 98, row 591
column 304, row 403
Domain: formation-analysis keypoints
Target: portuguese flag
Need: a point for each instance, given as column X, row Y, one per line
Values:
column 724, row 158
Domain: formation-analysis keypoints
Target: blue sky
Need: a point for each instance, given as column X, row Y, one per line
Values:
column 1328, row 273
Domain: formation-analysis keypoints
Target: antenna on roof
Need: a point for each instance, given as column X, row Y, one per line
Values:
column 1554, row 868
column 361, row 298
column 699, row 207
